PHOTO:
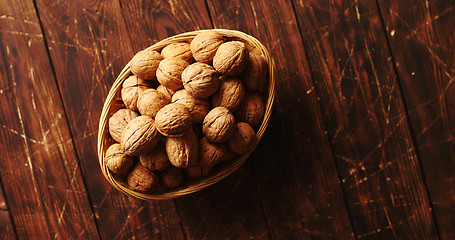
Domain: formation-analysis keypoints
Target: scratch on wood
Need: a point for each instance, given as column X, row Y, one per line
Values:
column 254, row 15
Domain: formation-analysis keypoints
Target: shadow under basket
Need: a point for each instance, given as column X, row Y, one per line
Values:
column 113, row 103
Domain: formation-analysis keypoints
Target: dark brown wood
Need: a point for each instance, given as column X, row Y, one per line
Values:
column 366, row 119
column 39, row 168
column 293, row 163
column 423, row 48
column 89, row 44
column 231, row 209
column 7, row 229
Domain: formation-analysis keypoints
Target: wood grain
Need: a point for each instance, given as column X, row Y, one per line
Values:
column 39, row 167
column 366, row 119
column 293, row 163
column 7, row 231
column 238, row 213
column 423, row 47
column 89, row 44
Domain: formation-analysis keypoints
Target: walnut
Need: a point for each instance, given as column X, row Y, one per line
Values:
column 169, row 72
column 156, row 160
column 183, row 151
column 142, row 180
column 230, row 58
column 173, row 120
column 251, row 110
column 200, row 80
column 230, row 94
column 118, row 162
column 198, row 107
column 172, row 177
column 145, row 63
column 243, row 140
column 132, row 87
column 118, row 121
column 197, row 171
column 210, row 154
column 179, row 49
column 167, row 92
column 150, row 102
column 139, row 136
column 204, row 46
column 255, row 74
column 218, row 125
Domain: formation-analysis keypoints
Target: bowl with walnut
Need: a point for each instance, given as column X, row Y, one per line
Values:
column 185, row 113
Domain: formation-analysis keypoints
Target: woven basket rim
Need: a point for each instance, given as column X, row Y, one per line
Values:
column 214, row 177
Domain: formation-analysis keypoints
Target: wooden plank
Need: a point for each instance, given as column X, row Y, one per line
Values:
column 293, row 164
column 39, row 168
column 366, row 119
column 239, row 212
column 7, row 229
column 89, row 44
column 423, row 47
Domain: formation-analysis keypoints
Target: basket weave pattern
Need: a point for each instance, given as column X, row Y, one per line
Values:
column 113, row 103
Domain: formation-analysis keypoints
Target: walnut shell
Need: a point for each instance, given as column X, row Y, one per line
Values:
column 230, row 58
column 218, row 125
column 156, row 160
column 179, row 49
column 198, row 107
column 255, row 74
column 173, row 120
column 169, row 72
column 200, row 80
column 230, row 94
column 150, row 102
column 251, row 110
column 183, row 151
column 197, row 171
column 167, row 92
column 145, row 63
column 142, row 180
column 204, row 46
column 243, row 139
column 139, row 136
column 132, row 88
column 118, row 162
column 118, row 121
column 172, row 177
column 210, row 154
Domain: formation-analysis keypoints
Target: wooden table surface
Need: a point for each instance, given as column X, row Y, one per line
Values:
column 361, row 143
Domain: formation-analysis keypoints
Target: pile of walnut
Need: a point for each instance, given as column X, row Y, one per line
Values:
column 188, row 108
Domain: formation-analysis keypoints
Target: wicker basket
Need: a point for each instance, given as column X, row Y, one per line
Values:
column 113, row 103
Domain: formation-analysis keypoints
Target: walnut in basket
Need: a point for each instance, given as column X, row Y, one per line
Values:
column 132, row 88
column 204, row 46
column 243, row 139
column 178, row 49
column 210, row 154
column 198, row 171
column 165, row 91
column 173, row 120
column 230, row 58
column 118, row 162
column 230, row 94
column 118, row 121
column 156, row 160
column 141, row 179
column 172, row 177
column 255, row 74
column 169, row 72
column 251, row 110
column 218, row 125
column 183, row 151
column 198, row 107
column 139, row 136
column 145, row 63
column 150, row 102
column 200, row 80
